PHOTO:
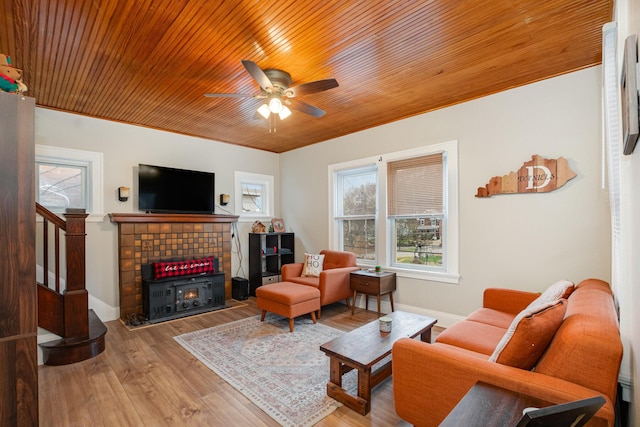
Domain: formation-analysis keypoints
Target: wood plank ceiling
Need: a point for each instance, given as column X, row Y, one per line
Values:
column 150, row 62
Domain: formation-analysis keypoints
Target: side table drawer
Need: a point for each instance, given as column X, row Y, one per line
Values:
column 365, row 284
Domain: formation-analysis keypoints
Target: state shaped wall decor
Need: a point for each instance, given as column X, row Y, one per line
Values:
column 538, row 175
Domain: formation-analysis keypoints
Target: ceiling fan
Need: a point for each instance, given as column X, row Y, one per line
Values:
column 274, row 85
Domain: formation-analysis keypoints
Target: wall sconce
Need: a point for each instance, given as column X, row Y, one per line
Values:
column 224, row 199
column 123, row 194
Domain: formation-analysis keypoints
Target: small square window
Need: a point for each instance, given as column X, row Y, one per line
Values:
column 254, row 195
column 68, row 178
column 61, row 186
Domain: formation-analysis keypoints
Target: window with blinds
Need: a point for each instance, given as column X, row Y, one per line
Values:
column 400, row 211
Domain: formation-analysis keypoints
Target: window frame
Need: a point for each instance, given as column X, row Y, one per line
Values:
column 92, row 160
column 266, row 181
column 385, row 236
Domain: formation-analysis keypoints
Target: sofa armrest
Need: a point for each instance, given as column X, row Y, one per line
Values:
column 336, row 276
column 291, row 270
column 507, row 300
column 430, row 379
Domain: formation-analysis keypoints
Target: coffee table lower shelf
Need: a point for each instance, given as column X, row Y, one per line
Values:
column 362, row 348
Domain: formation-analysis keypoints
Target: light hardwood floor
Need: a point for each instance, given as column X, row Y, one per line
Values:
column 144, row 378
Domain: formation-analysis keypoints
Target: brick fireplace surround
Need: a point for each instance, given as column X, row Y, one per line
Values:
column 147, row 238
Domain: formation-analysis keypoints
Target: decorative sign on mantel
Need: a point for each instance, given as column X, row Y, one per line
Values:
column 538, row 175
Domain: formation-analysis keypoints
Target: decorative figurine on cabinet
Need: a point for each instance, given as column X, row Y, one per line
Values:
column 10, row 77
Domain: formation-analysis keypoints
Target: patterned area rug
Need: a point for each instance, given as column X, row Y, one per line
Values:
column 283, row 373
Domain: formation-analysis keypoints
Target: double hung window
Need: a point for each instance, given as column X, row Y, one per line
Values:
column 400, row 211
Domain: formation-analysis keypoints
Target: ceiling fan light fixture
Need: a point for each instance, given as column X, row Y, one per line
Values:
column 264, row 111
column 284, row 113
column 275, row 105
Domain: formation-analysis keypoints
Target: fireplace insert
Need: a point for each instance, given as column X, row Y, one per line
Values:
column 176, row 297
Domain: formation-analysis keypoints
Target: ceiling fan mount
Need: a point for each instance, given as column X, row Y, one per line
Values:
column 279, row 79
column 274, row 83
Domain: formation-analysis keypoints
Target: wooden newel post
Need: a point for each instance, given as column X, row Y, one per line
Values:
column 76, row 298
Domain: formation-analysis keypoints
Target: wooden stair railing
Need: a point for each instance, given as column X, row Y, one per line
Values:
column 64, row 310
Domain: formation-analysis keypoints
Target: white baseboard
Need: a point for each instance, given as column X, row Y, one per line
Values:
column 445, row 320
column 104, row 311
column 626, row 383
column 44, row 336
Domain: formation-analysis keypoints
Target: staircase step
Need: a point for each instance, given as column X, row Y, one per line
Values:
column 71, row 350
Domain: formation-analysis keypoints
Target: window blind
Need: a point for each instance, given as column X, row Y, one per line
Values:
column 415, row 186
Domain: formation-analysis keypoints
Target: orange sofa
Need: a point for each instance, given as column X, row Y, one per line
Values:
column 333, row 281
column 582, row 359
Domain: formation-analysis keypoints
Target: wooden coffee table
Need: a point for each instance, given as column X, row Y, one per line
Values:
column 364, row 347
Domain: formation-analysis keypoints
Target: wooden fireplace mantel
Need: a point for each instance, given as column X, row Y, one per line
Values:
column 175, row 218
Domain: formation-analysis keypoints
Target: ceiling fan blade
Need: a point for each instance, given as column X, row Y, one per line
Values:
column 305, row 108
column 257, row 74
column 313, row 87
column 232, row 95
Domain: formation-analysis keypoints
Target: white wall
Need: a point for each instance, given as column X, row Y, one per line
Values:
column 124, row 146
column 628, row 20
column 524, row 241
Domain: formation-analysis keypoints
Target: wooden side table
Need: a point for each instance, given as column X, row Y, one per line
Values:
column 487, row 405
column 490, row 405
column 372, row 283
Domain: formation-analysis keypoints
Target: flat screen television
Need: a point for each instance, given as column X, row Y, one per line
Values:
column 169, row 190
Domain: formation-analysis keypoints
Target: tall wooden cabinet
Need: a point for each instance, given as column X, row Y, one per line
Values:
column 268, row 252
column 18, row 304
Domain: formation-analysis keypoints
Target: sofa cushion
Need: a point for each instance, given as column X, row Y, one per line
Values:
column 460, row 350
column 559, row 290
column 473, row 336
column 529, row 335
column 493, row 317
column 309, row 281
column 312, row 265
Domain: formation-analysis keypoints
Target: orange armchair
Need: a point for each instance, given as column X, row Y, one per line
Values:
column 333, row 282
